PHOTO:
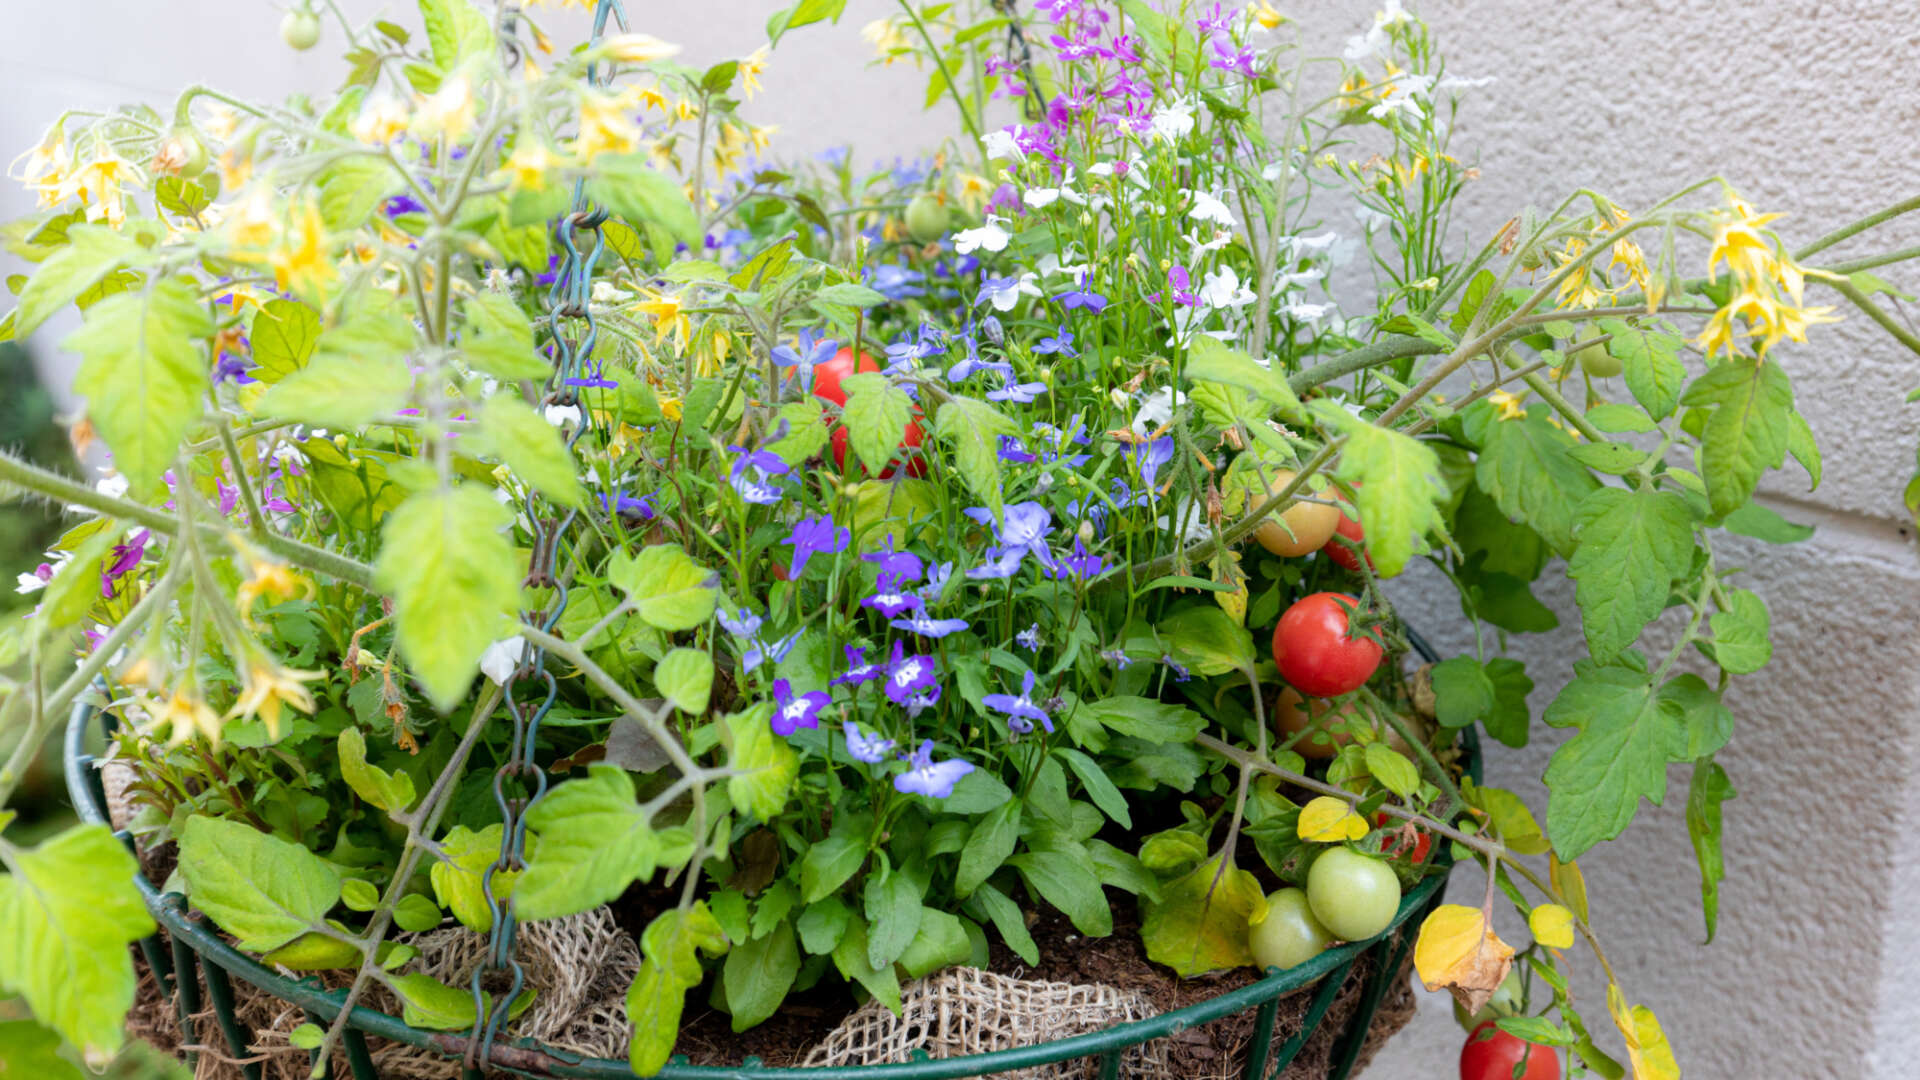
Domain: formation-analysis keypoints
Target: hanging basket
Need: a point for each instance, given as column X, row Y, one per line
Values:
column 1323, row 1018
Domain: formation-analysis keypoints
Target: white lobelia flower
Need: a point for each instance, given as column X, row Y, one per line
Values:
column 1402, row 95
column 1156, row 409
column 1174, row 120
column 988, row 237
column 1462, row 82
column 1004, row 293
column 1222, row 289
column 1371, row 219
column 1050, row 264
column 1189, row 519
column 1041, row 198
column 1283, row 282
column 1197, row 247
column 563, row 415
column 1303, row 246
column 502, row 657
column 1306, row 312
column 1208, row 207
column 1000, row 144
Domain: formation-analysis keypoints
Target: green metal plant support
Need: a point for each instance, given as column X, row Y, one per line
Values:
column 187, row 947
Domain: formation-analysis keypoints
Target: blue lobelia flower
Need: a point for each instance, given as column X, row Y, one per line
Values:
column 804, row 353
column 858, row 670
column 1082, row 564
column 1015, row 451
column 1061, row 342
column 896, row 567
column 937, row 579
column 745, row 625
column 628, row 506
column 891, row 601
column 1021, row 711
column 1180, row 672
column 1150, row 456
column 922, row 701
column 752, row 475
column 795, row 711
column 1081, row 297
column 1020, row 393
column 1023, row 526
column 907, row 675
column 925, row 776
column 1002, row 564
column 861, row 746
column 1029, row 638
column 814, row 536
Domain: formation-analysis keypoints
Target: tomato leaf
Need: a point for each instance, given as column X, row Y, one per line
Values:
column 143, row 371
column 1748, row 431
column 263, row 890
column 1196, row 926
column 1401, row 489
column 1709, row 788
column 1526, row 465
column 1626, row 738
column 1633, row 544
column 973, row 429
column 1740, row 642
column 1650, row 362
column 876, row 415
column 594, row 841
column 452, row 577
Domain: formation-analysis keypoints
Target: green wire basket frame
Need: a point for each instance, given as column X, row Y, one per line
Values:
column 186, row 940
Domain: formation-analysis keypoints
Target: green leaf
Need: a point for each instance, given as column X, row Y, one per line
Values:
column 670, row 966
column 1210, row 360
column 531, row 447
column 822, row 925
column 457, row 876
column 360, row 375
column 1097, row 786
column 1197, row 926
column 453, row 580
column 1633, row 545
column 390, row 791
column 263, row 890
column 307, row 1036
column 416, row 913
column 359, row 894
column 851, row 957
column 1625, row 740
column 643, row 195
column 1613, row 418
column 1526, row 466
column 993, row 839
column 1063, row 874
column 497, row 339
column 806, row 431
column 685, row 677
column 1392, row 769
column 1146, row 718
column 764, row 766
column 1172, row 849
column 1748, row 430
column 851, row 294
column 1650, row 360
column 31, row 1052
column 1801, row 445
column 804, row 13
column 892, row 908
column 829, row 863
column 68, row 911
column 456, row 31
column 941, row 942
column 594, row 841
column 876, row 415
column 758, row 975
column 998, row 908
column 143, row 371
column 352, row 188
column 1401, row 493
column 972, row 429
column 977, row 792
column 1615, row 459
column 1740, row 642
column 1709, row 788
column 92, row 251
column 426, row 1002
column 666, row 587
column 1207, row 641
column 282, row 335
column 1510, row 817
column 1707, row 720
column 1762, row 523
column 1466, row 692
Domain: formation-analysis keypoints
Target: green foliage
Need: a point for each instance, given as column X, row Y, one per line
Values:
column 390, row 791
column 1401, row 492
column 665, row 586
column 452, row 577
column 594, row 840
column 1633, row 545
column 670, row 966
column 1200, row 922
column 876, row 415
column 143, row 370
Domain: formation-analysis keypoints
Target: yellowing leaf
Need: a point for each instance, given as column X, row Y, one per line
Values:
column 1552, row 926
column 1647, row 1047
column 1200, row 923
column 1327, row 820
column 1457, row 950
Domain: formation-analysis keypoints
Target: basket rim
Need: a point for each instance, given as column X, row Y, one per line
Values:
column 532, row 1058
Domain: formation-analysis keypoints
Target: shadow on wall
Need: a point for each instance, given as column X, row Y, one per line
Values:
column 27, row 426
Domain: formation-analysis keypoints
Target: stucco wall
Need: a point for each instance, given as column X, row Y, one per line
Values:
column 1809, row 109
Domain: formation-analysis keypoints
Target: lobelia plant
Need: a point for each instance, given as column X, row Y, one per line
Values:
column 864, row 553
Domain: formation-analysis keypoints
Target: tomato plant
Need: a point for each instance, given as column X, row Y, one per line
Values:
column 1353, row 895
column 1306, row 525
column 1289, row 935
column 300, row 28
column 1315, row 650
column 1398, row 846
column 827, row 376
column 1342, row 555
column 1492, row 1054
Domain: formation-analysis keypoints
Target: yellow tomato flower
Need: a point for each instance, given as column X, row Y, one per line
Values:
column 272, row 580
column 380, row 121
column 1265, row 14
column 220, row 122
column 888, row 39
column 634, row 48
column 268, row 688
column 301, row 259
column 185, row 715
column 527, row 167
column 45, row 171
column 99, row 185
column 650, row 97
column 1507, row 405
column 750, row 69
column 448, row 111
column 669, row 319
column 606, row 127
column 1577, row 288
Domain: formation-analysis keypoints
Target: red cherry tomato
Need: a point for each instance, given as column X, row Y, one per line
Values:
column 1314, row 651
column 1492, row 1054
column 1422, row 843
column 827, row 376
column 916, row 465
column 1341, row 553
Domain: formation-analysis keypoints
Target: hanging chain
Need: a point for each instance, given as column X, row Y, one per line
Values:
column 520, row 782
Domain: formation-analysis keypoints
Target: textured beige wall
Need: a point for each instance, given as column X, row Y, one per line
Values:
column 1809, row 109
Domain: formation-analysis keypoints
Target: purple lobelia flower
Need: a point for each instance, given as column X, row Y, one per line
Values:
column 925, row 776
column 937, row 579
column 1151, row 456
column 890, row 600
column 858, row 669
column 1023, row 525
column 861, row 746
column 795, row 711
column 1061, row 343
column 814, row 536
column 1000, row 565
column 1029, row 639
column 896, row 567
column 1081, row 297
column 745, row 625
column 1015, row 451
column 126, row 556
column 1021, row 710
column 752, row 475
column 922, row 701
column 1020, row 393
column 925, row 625
column 1082, row 564
column 907, row 675
column 1180, row 672
column 806, row 351
column 629, row 507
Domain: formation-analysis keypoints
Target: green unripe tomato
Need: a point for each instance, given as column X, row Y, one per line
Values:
column 926, row 218
column 189, row 143
column 1289, row 936
column 1595, row 360
column 1507, row 1000
column 300, row 29
column 1352, row 895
